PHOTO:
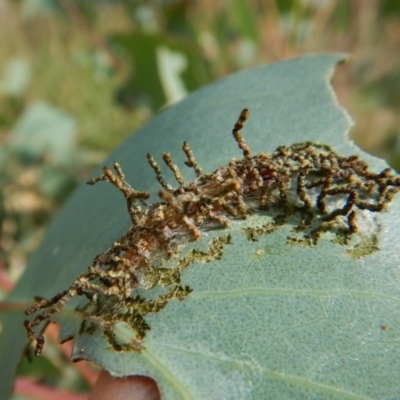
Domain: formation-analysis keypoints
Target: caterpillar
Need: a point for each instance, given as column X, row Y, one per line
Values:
column 328, row 190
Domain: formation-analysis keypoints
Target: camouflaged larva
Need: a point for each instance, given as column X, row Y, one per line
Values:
column 309, row 180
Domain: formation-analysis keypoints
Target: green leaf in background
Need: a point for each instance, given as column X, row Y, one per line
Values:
column 43, row 129
column 245, row 18
column 267, row 320
column 33, row 8
column 15, row 77
column 163, row 66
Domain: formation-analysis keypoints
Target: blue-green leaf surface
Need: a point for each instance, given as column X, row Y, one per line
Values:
column 269, row 319
column 44, row 129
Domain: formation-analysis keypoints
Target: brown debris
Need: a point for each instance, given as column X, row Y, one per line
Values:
column 317, row 175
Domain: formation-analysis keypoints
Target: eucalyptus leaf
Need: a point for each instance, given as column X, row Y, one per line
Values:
column 265, row 318
column 173, row 65
column 44, row 129
column 15, row 78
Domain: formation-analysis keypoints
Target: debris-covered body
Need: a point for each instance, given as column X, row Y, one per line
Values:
column 327, row 190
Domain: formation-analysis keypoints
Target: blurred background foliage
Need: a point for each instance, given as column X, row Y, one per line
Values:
column 78, row 76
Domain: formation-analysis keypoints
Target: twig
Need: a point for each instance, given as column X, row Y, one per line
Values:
column 5, row 282
column 29, row 388
column 85, row 369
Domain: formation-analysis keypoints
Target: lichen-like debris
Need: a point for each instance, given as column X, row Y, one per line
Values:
column 309, row 180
